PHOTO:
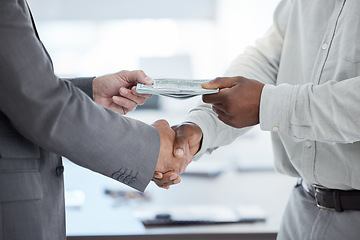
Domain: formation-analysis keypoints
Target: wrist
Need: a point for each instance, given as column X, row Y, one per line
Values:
column 260, row 87
column 94, row 86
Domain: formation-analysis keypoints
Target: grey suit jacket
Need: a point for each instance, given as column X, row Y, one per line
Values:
column 42, row 118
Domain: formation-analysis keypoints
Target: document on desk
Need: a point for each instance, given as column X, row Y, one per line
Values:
column 199, row 214
column 176, row 88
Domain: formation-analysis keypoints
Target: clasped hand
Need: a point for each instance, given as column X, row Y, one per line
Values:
column 177, row 146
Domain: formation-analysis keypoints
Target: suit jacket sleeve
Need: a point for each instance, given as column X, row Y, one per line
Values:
column 59, row 117
column 85, row 84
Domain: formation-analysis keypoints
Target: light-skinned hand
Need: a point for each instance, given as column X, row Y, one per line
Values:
column 168, row 167
column 117, row 91
column 165, row 180
column 187, row 140
column 238, row 101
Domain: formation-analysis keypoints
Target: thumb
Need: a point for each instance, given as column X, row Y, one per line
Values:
column 220, row 82
column 138, row 76
column 143, row 78
column 146, row 80
column 180, row 142
column 162, row 123
column 179, row 147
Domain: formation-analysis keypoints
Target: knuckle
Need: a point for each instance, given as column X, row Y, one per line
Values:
column 205, row 99
column 124, row 72
column 120, row 101
column 124, row 92
column 139, row 72
column 162, row 121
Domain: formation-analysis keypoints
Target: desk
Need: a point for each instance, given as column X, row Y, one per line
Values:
column 100, row 218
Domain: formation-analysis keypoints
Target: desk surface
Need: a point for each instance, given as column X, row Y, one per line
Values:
column 100, row 215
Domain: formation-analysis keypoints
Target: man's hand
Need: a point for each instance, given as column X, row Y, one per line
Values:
column 169, row 167
column 237, row 104
column 188, row 136
column 165, row 180
column 187, row 140
column 117, row 91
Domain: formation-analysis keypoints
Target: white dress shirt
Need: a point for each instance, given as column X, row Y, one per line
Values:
column 309, row 61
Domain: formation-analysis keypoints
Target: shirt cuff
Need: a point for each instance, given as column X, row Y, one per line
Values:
column 201, row 118
column 276, row 105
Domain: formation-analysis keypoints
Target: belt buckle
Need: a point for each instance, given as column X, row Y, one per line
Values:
column 316, row 186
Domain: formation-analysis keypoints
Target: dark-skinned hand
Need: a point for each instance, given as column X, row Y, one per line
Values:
column 238, row 101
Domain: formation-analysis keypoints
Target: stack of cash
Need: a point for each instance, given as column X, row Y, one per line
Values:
column 176, row 88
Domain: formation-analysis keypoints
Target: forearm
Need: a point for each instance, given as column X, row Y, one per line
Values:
column 327, row 113
column 84, row 83
column 70, row 124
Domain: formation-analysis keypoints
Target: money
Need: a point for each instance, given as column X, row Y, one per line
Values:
column 174, row 87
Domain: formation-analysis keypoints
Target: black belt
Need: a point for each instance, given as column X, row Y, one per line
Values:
column 334, row 199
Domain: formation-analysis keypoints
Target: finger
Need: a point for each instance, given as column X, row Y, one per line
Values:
column 146, row 80
column 181, row 140
column 177, row 180
column 141, row 77
column 226, row 120
column 160, row 185
column 165, row 181
column 221, row 82
column 134, row 92
column 116, row 108
column 171, row 175
column 161, row 123
column 139, row 100
column 158, row 175
column 219, row 110
column 169, row 178
column 124, row 102
column 219, row 106
column 223, row 116
column 165, row 187
column 216, row 98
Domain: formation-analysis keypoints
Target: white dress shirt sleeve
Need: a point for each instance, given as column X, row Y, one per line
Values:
column 266, row 53
column 326, row 113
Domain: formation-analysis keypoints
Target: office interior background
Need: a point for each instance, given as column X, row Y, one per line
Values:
column 165, row 38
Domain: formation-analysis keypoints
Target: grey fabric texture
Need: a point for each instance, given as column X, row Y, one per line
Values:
column 303, row 220
column 43, row 118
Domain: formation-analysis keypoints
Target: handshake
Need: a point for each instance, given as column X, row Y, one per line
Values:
column 177, row 146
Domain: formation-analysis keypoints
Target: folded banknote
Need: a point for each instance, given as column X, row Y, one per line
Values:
column 176, row 88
